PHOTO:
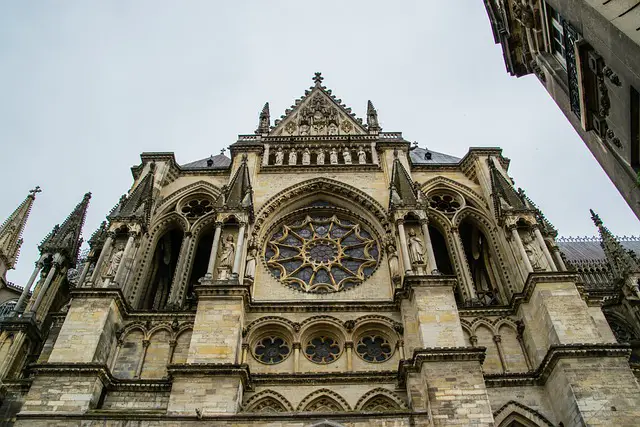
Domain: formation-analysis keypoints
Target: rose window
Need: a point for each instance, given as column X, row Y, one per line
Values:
column 197, row 208
column 322, row 349
column 444, row 202
column 374, row 348
column 271, row 350
column 322, row 254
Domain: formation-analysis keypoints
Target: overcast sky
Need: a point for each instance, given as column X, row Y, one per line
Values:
column 86, row 86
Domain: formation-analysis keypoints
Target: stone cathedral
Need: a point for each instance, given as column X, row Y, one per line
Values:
column 326, row 274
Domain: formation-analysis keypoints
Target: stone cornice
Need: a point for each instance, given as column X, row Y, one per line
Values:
column 298, row 169
column 438, row 354
column 424, row 281
column 26, row 324
column 320, row 378
column 321, row 306
column 213, row 369
column 224, row 288
column 551, row 359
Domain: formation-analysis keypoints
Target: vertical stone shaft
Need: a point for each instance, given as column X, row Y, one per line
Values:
column 179, row 280
column 214, row 249
column 559, row 260
column 404, row 248
column 123, row 262
column 239, row 250
column 545, row 250
column 19, row 308
column 431, row 258
column 95, row 277
column 84, row 272
column 520, row 246
column 45, row 286
column 465, row 271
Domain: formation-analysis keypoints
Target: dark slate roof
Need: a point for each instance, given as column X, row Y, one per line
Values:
column 220, row 161
column 583, row 249
column 418, row 157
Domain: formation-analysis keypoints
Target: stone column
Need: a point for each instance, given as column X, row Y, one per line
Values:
column 404, row 248
column 545, row 250
column 296, row 357
column 214, row 251
column 179, row 282
column 85, row 271
column 57, row 260
column 374, row 154
column 239, row 250
column 145, row 348
column 349, row 350
column 558, row 257
column 9, row 359
column 25, row 292
column 520, row 246
column 95, row 277
column 245, row 352
column 117, row 280
column 465, row 271
column 498, row 340
column 431, row 257
column 265, row 155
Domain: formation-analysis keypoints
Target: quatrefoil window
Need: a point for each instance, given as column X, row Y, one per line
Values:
column 444, row 202
column 197, row 208
column 322, row 254
column 271, row 350
column 374, row 348
column 322, row 349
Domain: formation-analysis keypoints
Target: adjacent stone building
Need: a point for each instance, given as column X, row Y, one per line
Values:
column 327, row 274
column 587, row 55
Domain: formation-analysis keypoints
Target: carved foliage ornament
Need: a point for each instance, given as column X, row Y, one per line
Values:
column 322, row 253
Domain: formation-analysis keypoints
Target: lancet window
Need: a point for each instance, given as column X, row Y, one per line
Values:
column 481, row 263
column 163, row 268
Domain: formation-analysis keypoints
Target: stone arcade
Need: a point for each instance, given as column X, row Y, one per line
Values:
column 328, row 274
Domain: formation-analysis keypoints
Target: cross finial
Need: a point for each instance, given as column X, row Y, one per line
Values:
column 317, row 79
column 222, row 151
column 35, row 191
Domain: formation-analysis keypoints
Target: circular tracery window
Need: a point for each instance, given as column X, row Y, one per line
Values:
column 374, row 348
column 322, row 349
column 197, row 208
column 322, row 254
column 271, row 350
column 444, row 202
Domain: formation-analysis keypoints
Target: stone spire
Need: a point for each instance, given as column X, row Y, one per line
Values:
column 65, row 239
column 137, row 206
column 265, row 120
column 372, row 118
column 621, row 262
column 402, row 192
column 11, row 233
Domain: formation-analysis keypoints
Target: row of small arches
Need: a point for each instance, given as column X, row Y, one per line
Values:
column 327, row 401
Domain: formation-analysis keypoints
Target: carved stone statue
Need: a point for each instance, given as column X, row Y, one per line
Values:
column 250, row 268
column 333, row 156
column 534, row 252
column 226, row 258
column 293, row 156
column 116, row 259
column 393, row 263
column 346, row 155
column 279, row 157
column 304, row 129
column 320, row 158
column 362, row 156
column 306, row 157
column 333, row 129
column 416, row 250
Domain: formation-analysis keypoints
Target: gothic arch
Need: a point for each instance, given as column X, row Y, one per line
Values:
column 203, row 187
column 283, row 322
column 387, row 398
column 268, row 401
column 333, row 401
column 346, row 195
column 516, row 411
column 443, row 183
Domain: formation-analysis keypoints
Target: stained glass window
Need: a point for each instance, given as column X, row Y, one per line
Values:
column 271, row 350
column 322, row 349
column 321, row 253
column 374, row 348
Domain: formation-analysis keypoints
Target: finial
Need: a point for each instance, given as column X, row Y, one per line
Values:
column 244, row 157
column 222, row 151
column 264, row 121
column 317, row 79
column 87, row 195
column 35, row 191
column 372, row 118
column 596, row 218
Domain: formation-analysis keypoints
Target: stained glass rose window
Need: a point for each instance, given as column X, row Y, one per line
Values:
column 322, row 253
column 374, row 348
column 197, row 208
column 271, row 350
column 322, row 349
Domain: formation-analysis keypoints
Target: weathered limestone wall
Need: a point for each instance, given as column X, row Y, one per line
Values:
column 210, row 395
column 305, row 421
column 533, row 397
column 57, row 393
column 136, row 400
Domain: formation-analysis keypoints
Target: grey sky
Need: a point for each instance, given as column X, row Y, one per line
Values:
column 86, row 86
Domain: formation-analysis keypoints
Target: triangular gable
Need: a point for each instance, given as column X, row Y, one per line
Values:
column 318, row 112
column 402, row 191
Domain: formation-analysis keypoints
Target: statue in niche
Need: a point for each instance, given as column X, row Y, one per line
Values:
column 226, row 258
column 346, row 155
column 116, row 259
column 279, row 157
column 306, row 157
column 332, row 129
column 362, row 156
column 162, row 274
column 393, row 263
column 320, row 158
column 534, row 252
column 333, row 156
column 293, row 157
column 250, row 267
column 416, row 250
column 304, row 129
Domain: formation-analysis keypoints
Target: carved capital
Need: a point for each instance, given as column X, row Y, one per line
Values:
column 111, row 234
column 474, row 340
column 173, row 343
column 497, row 339
column 296, row 346
column 348, row 344
column 145, row 343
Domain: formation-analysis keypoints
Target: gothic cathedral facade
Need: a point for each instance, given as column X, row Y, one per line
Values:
column 326, row 274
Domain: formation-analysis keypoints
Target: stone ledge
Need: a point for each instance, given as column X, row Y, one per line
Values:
column 438, row 354
column 422, row 281
column 26, row 324
column 551, row 359
column 319, row 378
column 213, row 370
